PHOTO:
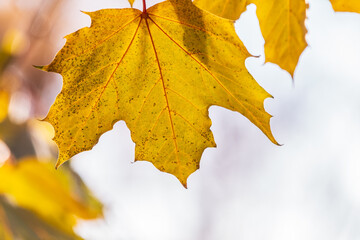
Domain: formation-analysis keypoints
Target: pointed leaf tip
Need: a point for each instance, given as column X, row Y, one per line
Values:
column 39, row 67
column 59, row 163
column 131, row 2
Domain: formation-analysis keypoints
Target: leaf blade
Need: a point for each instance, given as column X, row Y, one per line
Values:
column 282, row 24
column 56, row 197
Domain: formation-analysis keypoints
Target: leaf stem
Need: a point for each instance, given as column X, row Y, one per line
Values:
column 144, row 6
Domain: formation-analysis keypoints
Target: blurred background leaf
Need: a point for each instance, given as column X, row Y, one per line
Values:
column 56, row 197
column 20, row 223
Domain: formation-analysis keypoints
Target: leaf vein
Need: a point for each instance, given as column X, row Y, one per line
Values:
column 191, row 125
column 165, row 93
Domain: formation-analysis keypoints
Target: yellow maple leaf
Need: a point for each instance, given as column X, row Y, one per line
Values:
column 346, row 5
column 230, row 9
column 159, row 71
column 36, row 186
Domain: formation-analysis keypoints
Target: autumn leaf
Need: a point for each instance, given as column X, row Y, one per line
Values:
column 230, row 9
column 51, row 194
column 159, row 71
column 282, row 23
column 346, row 5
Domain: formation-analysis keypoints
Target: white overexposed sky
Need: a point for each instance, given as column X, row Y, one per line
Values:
column 248, row 188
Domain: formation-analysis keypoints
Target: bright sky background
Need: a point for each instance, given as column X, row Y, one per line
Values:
column 248, row 188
